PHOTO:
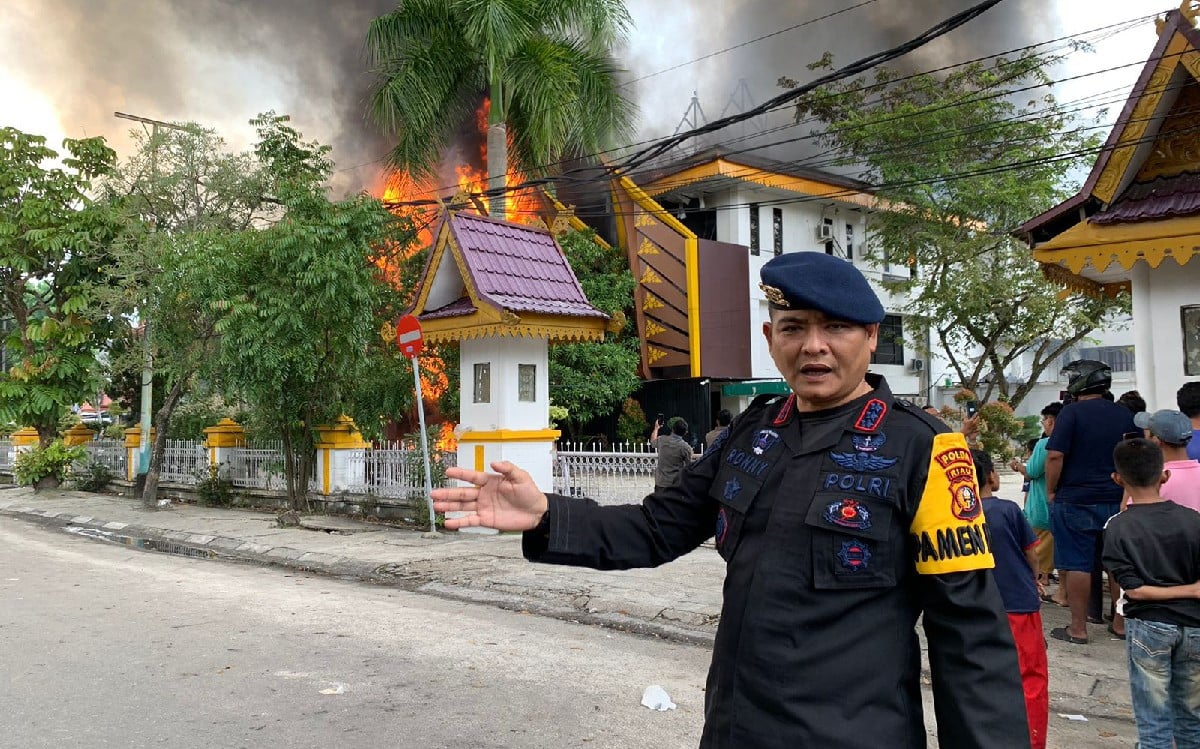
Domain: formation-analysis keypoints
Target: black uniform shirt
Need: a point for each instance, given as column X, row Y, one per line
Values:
column 839, row 528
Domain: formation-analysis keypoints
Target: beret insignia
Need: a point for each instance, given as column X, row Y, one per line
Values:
column 774, row 295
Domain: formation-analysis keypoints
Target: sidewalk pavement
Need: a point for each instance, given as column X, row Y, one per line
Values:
column 679, row 601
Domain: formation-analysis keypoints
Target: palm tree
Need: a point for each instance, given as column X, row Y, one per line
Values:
column 545, row 65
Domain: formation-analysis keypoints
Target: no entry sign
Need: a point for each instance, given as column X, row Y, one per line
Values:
column 408, row 336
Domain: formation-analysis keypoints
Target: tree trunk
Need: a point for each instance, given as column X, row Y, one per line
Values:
column 497, row 166
column 162, row 420
column 497, row 150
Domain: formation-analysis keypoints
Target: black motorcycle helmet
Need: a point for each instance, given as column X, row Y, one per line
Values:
column 1087, row 377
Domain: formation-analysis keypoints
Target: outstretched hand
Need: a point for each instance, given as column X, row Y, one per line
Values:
column 506, row 500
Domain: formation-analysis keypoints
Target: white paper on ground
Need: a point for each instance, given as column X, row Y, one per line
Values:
column 1068, row 716
column 656, row 698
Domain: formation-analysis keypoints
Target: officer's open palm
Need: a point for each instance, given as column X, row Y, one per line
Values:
column 507, row 500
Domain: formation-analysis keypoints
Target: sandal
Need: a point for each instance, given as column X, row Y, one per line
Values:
column 1061, row 633
column 1050, row 599
column 1116, row 635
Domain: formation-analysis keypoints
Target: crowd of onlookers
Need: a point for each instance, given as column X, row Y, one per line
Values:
column 1110, row 486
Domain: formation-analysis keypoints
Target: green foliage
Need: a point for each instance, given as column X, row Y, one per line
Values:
column 298, row 327
column 591, row 379
column 961, row 163
column 546, row 67
column 196, row 413
column 558, row 414
column 54, row 239
column 631, row 424
column 212, row 489
column 52, row 460
column 94, row 477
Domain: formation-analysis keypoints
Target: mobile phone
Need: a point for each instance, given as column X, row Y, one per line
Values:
column 660, row 419
column 972, row 409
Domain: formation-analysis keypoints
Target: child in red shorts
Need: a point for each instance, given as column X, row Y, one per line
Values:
column 1014, row 547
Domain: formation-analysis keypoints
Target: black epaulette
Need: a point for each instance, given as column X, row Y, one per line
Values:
column 937, row 425
column 765, row 399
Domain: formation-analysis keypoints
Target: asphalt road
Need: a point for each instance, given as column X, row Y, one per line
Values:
column 108, row 646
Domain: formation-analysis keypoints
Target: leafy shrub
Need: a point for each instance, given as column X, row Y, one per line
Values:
column 631, row 424
column 94, row 477
column 212, row 489
column 54, row 460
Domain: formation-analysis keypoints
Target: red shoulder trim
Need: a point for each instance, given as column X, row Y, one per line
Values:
column 785, row 411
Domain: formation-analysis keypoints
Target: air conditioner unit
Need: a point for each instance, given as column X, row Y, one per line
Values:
column 916, row 365
column 824, row 232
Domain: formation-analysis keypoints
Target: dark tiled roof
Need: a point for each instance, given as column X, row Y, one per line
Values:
column 457, row 308
column 754, row 162
column 1165, row 197
column 519, row 268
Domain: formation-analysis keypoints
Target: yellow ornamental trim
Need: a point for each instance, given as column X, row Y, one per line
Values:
column 653, row 329
column 649, row 276
column 552, row 333
column 511, row 435
column 643, row 220
column 653, row 354
column 646, row 247
column 651, row 302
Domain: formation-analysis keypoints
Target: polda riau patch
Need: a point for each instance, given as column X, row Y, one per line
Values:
column 848, row 513
column 855, row 555
column 722, row 528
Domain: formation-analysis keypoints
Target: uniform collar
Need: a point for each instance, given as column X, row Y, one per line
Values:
column 815, row 431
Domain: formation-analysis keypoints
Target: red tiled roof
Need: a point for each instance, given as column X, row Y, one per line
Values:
column 518, row 268
column 1165, row 197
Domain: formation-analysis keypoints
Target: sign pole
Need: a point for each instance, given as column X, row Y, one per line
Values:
column 424, row 445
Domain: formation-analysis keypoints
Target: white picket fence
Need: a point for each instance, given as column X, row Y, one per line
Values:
column 607, row 476
column 395, row 470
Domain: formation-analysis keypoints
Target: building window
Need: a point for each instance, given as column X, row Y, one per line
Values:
column 527, row 382
column 777, row 230
column 849, row 241
column 890, row 349
column 754, row 243
column 1118, row 358
column 827, row 232
column 483, row 382
column 1190, row 317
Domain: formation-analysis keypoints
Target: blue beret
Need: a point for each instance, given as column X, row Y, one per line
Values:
column 814, row 280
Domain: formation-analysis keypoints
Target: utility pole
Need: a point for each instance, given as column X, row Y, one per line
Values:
column 148, row 360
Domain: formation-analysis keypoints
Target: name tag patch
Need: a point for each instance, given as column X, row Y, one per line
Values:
column 747, row 462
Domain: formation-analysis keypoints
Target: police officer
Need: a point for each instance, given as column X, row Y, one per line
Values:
column 842, row 514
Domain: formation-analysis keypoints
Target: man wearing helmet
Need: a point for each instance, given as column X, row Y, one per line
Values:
column 1079, row 486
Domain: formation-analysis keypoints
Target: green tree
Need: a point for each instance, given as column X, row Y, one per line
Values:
column 544, row 64
column 301, row 309
column 54, row 239
column 592, row 379
column 959, row 164
column 187, row 191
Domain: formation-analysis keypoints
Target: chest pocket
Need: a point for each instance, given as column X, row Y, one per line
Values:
column 734, row 492
column 851, row 541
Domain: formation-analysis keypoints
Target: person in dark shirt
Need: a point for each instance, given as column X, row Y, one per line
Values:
column 1188, row 400
column 1079, row 488
column 1153, row 551
column 1014, row 545
column 724, row 418
column 844, row 515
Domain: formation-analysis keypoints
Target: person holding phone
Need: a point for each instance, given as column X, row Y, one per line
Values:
column 843, row 515
column 674, row 453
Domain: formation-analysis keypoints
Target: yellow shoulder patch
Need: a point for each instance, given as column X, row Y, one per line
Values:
column 949, row 531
